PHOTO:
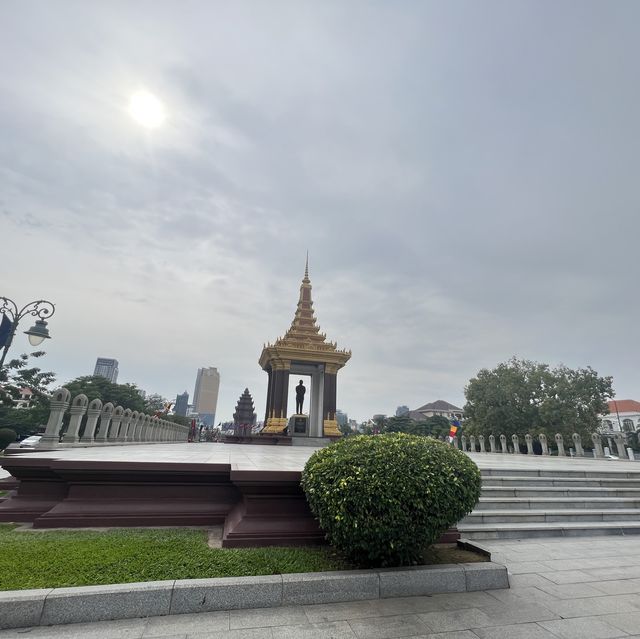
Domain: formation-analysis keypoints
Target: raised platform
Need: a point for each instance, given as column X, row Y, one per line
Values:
column 252, row 490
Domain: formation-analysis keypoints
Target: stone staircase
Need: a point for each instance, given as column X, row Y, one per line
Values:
column 519, row 504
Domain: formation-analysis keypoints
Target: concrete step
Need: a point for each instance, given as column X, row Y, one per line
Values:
column 547, row 529
column 577, row 492
column 573, row 515
column 316, row 442
column 556, row 502
column 569, row 482
column 623, row 470
column 543, row 503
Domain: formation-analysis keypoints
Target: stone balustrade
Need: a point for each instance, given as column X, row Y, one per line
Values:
column 94, row 424
column 476, row 444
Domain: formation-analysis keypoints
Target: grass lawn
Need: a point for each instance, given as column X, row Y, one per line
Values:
column 53, row 559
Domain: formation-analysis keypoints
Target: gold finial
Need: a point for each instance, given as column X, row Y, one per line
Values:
column 306, row 267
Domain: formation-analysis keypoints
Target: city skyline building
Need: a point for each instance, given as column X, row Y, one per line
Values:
column 182, row 404
column 107, row 368
column 205, row 394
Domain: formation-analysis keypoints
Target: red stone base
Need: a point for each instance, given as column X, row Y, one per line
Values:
column 273, row 508
column 256, row 508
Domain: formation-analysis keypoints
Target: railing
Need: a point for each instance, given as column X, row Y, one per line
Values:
column 500, row 445
column 95, row 424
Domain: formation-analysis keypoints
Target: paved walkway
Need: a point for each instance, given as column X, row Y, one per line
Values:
column 586, row 588
column 266, row 457
column 241, row 456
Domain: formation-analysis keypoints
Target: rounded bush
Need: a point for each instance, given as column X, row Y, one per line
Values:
column 7, row 436
column 382, row 499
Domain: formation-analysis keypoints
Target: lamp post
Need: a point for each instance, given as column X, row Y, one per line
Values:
column 10, row 317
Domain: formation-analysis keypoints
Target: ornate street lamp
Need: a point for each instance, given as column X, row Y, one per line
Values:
column 10, row 316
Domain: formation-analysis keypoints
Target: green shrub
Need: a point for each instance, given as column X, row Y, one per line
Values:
column 383, row 499
column 7, row 436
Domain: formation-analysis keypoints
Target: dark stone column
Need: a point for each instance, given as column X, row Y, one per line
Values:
column 269, row 397
column 329, row 397
column 277, row 393
column 334, row 387
column 285, row 392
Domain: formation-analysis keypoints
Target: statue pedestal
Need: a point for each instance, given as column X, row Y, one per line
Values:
column 299, row 426
column 315, row 442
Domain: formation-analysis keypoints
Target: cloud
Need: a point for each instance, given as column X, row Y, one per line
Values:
column 463, row 176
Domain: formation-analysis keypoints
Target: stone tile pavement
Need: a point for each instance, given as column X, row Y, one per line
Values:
column 564, row 588
column 261, row 457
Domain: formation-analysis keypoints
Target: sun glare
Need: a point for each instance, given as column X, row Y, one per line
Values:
column 147, row 110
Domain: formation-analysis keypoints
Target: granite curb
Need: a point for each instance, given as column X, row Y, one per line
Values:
column 46, row 607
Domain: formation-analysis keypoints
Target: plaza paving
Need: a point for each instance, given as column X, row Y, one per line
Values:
column 240, row 456
column 567, row 588
column 264, row 457
column 560, row 589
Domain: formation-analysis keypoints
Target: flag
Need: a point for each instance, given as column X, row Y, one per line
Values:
column 455, row 424
column 5, row 331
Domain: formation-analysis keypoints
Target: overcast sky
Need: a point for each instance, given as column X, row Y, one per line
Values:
column 465, row 176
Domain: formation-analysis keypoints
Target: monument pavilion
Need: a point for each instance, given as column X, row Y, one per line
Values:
column 303, row 351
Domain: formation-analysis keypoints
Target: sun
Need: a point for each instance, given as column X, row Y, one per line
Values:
column 147, row 110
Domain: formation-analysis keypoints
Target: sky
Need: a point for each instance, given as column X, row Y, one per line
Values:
column 463, row 174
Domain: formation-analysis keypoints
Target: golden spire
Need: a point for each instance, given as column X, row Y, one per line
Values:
column 304, row 340
column 303, row 327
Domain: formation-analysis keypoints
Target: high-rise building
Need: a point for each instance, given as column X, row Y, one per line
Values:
column 182, row 404
column 107, row 368
column 205, row 395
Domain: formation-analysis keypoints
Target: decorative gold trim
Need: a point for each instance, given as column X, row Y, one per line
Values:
column 275, row 425
column 330, row 428
column 273, row 353
column 280, row 364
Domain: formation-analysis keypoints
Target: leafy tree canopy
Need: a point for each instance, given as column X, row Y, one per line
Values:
column 15, row 375
column 345, row 429
column 521, row 396
column 400, row 424
column 436, row 426
column 96, row 387
column 154, row 403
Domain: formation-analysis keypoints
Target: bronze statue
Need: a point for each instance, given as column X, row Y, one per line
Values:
column 300, row 391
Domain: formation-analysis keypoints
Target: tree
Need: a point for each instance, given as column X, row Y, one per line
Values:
column 154, row 403
column 398, row 424
column 435, row 426
column 17, row 374
column 96, row 387
column 380, row 422
column 366, row 428
column 522, row 396
column 576, row 400
column 345, row 429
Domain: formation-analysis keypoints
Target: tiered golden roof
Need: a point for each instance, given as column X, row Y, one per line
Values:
column 304, row 341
